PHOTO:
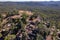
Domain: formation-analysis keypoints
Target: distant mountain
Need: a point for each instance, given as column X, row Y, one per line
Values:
column 51, row 4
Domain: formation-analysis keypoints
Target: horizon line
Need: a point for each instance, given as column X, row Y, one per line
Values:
column 29, row 1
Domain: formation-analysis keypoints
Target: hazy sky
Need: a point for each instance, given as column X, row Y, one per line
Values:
column 29, row 0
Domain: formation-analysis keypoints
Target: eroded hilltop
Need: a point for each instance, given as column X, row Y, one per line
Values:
column 26, row 25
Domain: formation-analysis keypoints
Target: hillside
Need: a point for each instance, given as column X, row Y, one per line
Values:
column 30, row 20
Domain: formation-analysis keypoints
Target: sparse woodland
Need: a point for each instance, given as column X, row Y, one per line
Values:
column 29, row 24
